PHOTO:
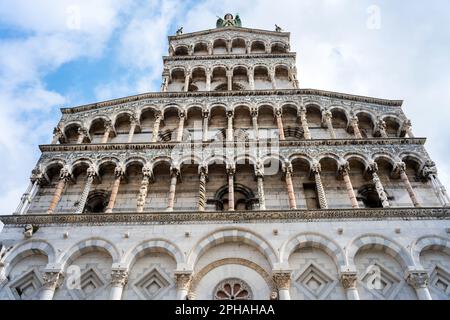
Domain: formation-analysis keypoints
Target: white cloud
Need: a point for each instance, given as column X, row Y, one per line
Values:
column 47, row 38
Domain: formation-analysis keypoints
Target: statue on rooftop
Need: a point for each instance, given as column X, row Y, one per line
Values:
column 229, row 21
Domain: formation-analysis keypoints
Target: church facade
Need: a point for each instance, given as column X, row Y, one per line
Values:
column 232, row 183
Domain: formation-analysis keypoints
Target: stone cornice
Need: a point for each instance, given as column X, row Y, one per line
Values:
column 230, row 56
column 170, row 145
column 219, row 30
column 244, row 93
column 291, row 216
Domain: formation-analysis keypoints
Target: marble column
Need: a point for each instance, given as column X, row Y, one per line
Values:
column 174, row 174
column 279, row 117
column 187, row 81
column 254, row 115
column 304, row 123
column 229, row 46
column 231, row 171
column 165, row 83
column 203, row 175
column 82, row 134
column 27, row 197
column 119, row 279
column 290, row 187
column 349, row 281
column 230, row 133
column 52, row 280
column 210, row 48
column 205, row 126
column 328, row 116
column 156, row 125
column 63, row 179
column 118, row 174
column 344, row 170
column 429, row 171
column 419, row 281
column 108, row 129
column 407, row 127
column 133, row 124
column 251, row 78
column 57, row 135
column 382, row 129
column 259, row 172
column 282, row 281
column 183, row 280
column 143, row 190
column 208, row 79
column 316, row 169
column 230, row 79
column 272, row 79
column 373, row 169
column 87, row 188
column 400, row 168
column 180, row 130
column 355, row 127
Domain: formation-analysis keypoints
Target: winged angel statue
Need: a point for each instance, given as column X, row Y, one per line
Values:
column 229, row 21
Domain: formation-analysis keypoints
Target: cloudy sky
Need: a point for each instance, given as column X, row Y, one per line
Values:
column 62, row 53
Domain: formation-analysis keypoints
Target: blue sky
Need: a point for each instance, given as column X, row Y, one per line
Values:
column 68, row 52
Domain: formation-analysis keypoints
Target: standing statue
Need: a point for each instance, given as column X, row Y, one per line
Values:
column 180, row 31
column 278, row 28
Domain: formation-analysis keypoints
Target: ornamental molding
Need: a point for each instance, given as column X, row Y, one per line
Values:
column 286, row 216
column 229, row 33
column 69, row 155
column 167, row 98
column 247, row 56
column 200, row 62
column 170, row 145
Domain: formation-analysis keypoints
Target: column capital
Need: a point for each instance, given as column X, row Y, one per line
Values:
column 429, row 169
column 254, row 112
column 278, row 112
column 372, row 167
column 349, row 279
column 83, row 131
column 182, row 115
column 231, row 170
column 316, row 168
column 259, row 169
column 282, row 279
column 119, row 277
column 134, row 120
column 147, row 171
column 206, row 114
column 230, row 114
column 203, row 170
column 65, row 173
column 91, row 172
column 417, row 279
column 381, row 124
column 183, row 280
column 287, row 168
column 52, row 279
column 119, row 171
column 344, row 168
column 158, row 115
column 399, row 167
column 174, row 171
column 354, row 121
column 327, row 114
column 108, row 125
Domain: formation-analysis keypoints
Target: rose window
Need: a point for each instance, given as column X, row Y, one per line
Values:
column 232, row 289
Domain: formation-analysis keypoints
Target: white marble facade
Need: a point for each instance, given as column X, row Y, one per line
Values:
column 231, row 183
